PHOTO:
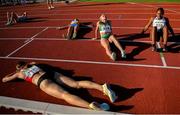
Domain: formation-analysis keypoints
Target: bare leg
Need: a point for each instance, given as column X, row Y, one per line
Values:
column 105, row 89
column 14, row 17
column 76, row 28
column 165, row 35
column 118, row 45
column 48, row 4
column 105, row 44
column 154, row 38
column 8, row 17
column 165, row 38
column 70, row 32
column 56, row 91
column 80, row 84
column 52, row 4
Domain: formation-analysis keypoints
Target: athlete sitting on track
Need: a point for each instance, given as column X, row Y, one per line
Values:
column 107, row 37
column 73, row 29
column 47, row 81
column 160, row 27
column 13, row 18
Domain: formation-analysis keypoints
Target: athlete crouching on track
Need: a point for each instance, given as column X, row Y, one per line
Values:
column 160, row 27
column 13, row 18
column 73, row 29
column 107, row 37
column 46, row 81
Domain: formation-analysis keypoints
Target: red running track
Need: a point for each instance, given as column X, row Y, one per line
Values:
column 143, row 83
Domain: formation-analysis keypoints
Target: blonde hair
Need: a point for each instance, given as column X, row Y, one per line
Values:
column 100, row 18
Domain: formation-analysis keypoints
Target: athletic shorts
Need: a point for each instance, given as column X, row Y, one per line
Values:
column 159, row 34
column 74, row 25
column 22, row 19
column 105, row 36
column 51, row 77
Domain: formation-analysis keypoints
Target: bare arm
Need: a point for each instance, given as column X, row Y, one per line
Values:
column 169, row 27
column 96, row 31
column 147, row 26
column 63, row 27
column 10, row 77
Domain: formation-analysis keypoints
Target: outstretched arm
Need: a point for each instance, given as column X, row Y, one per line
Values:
column 147, row 26
column 63, row 27
column 10, row 77
column 169, row 27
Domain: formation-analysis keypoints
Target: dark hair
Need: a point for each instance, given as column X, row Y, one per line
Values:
column 161, row 10
column 20, row 64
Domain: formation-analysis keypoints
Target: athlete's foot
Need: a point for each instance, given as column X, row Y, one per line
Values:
column 165, row 49
column 95, row 106
column 113, row 56
column 154, row 47
column 74, row 35
column 52, row 7
column 8, row 23
column 49, row 8
column 110, row 93
column 123, row 55
column 99, row 107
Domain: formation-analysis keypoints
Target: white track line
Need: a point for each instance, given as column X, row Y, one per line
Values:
column 153, row 6
column 46, row 108
column 86, row 40
column 92, row 62
column 27, row 42
column 54, row 27
column 116, row 19
column 162, row 56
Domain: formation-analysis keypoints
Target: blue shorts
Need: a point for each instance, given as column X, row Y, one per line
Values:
column 74, row 25
column 22, row 19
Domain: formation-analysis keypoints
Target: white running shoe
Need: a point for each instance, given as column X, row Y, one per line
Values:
column 95, row 106
column 123, row 55
column 99, row 107
column 110, row 93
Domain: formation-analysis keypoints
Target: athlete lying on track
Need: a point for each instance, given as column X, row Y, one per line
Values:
column 13, row 18
column 73, row 28
column 47, row 82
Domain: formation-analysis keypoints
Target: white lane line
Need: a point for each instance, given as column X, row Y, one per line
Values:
column 88, row 40
column 92, row 62
column 27, row 42
column 119, row 18
column 54, row 27
column 62, row 39
column 153, row 6
column 46, row 108
column 162, row 56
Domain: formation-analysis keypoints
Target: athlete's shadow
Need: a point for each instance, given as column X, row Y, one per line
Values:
column 175, row 46
column 35, row 19
column 139, row 47
column 85, row 27
column 128, row 40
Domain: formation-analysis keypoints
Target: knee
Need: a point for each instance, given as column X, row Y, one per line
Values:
column 77, row 85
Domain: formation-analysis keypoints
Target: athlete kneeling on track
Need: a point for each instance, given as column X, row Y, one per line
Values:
column 160, row 27
column 47, row 81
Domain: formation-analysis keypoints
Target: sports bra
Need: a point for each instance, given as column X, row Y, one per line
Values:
column 105, row 28
column 29, row 72
column 159, row 23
